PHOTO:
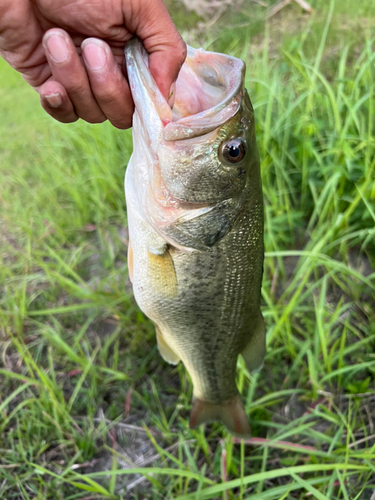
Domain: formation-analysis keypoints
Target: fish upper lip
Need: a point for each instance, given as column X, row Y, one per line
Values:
column 202, row 123
column 197, row 124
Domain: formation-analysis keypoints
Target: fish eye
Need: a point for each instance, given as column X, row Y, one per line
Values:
column 233, row 151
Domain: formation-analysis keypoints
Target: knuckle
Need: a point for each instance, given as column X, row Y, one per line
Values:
column 122, row 124
column 94, row 119
column 110, row 94
column 61, row 115
column 67, row 119
column 77, row 90
column 179, row 51
column 182, row 50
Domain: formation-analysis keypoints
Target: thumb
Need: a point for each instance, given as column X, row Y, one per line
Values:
column 166, row 49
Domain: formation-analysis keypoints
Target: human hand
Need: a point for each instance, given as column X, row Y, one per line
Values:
column 50, row 43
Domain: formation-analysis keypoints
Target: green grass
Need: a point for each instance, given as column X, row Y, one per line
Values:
column 88, row 409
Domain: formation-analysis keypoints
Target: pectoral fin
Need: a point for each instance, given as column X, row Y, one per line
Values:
column 162, row 273
column 255, row 351
column 231, row 414
column 166, row 352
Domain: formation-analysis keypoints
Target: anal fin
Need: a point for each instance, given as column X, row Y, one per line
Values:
column 255, row 351
column 166, row 352
column 231, row 414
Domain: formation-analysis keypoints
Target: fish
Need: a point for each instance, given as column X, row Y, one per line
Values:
column 195, row 218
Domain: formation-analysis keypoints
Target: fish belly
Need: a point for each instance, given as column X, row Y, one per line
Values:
column 204, row 304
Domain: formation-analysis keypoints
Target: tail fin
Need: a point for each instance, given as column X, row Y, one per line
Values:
column 231, row 414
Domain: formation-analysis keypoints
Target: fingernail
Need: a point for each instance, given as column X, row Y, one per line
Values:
column 54, row 100
column 172, row 95
column 94, row 55
column 57, row 47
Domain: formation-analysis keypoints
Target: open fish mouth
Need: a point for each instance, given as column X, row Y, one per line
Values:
column 179, row 151
column 208, row 91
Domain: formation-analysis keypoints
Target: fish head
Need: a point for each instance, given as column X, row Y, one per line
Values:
column 200, row 153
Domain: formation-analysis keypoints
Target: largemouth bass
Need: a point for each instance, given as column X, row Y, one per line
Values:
column 195, row 214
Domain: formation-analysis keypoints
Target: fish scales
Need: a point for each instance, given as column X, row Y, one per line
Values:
column 196, row 227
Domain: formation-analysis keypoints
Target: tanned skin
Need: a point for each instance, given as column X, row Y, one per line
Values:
column 72, row 53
